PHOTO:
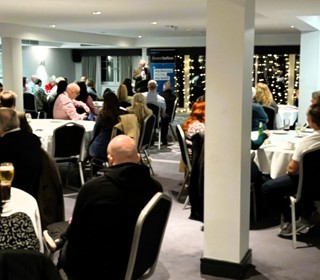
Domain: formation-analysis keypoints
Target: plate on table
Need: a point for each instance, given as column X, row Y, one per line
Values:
column 56, row 121
column 280, row 132
column 308, row 130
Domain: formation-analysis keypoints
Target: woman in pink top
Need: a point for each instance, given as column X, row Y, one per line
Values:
column 65, row 105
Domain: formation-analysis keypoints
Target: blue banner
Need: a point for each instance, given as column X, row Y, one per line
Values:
column 162, row 72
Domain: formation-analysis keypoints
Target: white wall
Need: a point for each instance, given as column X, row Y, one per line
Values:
column 57, row 62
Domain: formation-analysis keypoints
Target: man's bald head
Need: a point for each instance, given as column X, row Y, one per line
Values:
column 122, row 149
column 73, row 90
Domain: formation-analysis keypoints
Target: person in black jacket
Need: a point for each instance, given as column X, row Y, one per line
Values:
column 22, row 148
column 170, row 98
column 99, row 237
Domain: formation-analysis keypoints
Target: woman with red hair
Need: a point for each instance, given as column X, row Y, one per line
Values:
column 195, row 123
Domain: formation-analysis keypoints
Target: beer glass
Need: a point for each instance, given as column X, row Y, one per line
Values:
column 6, row 177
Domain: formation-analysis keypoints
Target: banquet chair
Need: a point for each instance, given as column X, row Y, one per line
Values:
column 29, row 105
column 28, row 265
column 186, row 160
column 67, row 147
column 145, row 138
column 271, row 112
column 147, row 239
column 173, row 133
column 309, row 167
column 156, row 111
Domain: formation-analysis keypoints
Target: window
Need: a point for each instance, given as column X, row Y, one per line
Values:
column 110, row 70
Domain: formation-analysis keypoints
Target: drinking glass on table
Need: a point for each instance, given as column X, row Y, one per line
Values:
column 286, row 124
column 298, row 128
column 28, row 117
column 6, row 177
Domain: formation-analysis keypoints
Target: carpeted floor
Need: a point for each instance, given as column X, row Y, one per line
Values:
column 182, row 248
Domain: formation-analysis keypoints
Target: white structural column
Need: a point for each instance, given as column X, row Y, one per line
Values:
column 229, row 52
column 309, row 70
column 12, row 68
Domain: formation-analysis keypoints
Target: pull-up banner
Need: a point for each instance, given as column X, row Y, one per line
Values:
column 162, row 66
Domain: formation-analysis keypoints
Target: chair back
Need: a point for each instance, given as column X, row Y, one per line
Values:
column 174, row 110
column 146, row 132
column 156, row 111
column 68, row 140
column 29, row 103
column 309, row 167
column 147, row 238
column 27, row 265
column 183, row 146
column 271, row 112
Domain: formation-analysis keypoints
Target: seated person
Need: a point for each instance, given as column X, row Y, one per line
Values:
column 86, row 99
column 256, row 175
column 107, row 118
column 16, row 230
column 8, row 99
column 122, row 94
column 258, row 114
column 22, row 148
column 195, row 123
column 169, row 98
column 139, row 107
column 98, row 239
column 278, row 190
column 65, row 105
column 41, row 96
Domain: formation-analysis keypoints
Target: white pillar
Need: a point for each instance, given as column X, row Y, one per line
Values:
column 229, row 52
column 12, row 68
column 309, row 70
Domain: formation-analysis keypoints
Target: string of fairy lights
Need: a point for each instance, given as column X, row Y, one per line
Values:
column 189, row 78
column 272, row 69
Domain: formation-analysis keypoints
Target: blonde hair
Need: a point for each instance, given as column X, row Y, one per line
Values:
column 263, row 94
column 122, row 93
column 139, row 107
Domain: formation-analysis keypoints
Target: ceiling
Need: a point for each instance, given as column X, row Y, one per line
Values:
column 123, row 21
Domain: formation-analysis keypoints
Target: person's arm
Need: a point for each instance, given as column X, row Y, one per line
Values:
column 255, row 144
column 81, row 104
column 71, row 111
column 91, row 106
column 293, row 168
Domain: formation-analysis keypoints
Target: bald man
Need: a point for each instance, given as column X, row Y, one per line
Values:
column 106, row 210
column 65, row 105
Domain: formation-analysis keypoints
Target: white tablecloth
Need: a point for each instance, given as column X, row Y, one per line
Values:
column 21, row 201
column 286, row 112
column 44, row 128
column 273, row 158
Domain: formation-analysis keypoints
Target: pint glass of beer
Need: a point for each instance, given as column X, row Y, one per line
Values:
column 6, row 177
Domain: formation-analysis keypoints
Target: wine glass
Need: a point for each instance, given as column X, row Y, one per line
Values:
column 6, row 177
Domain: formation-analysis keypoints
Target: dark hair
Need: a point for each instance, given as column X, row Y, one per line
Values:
column 83, row 94
column 110, row 112
column 107, row 90
column 61, row 88
column 37, row 82
column 128, row 83
column 314, row 113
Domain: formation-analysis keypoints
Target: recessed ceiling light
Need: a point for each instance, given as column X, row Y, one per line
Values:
column 154, row 22
column 52, row 25
column 96, row 13
column 292, row 26
column 139, row 36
